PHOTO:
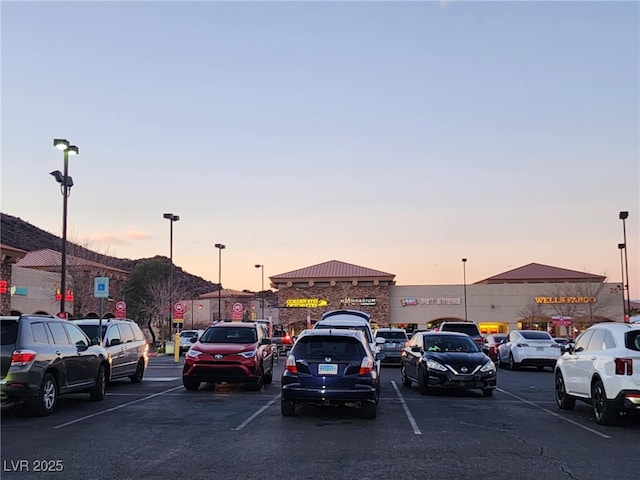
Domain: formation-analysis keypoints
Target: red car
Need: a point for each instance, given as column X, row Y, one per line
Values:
column 232, row 352
column 491, row 342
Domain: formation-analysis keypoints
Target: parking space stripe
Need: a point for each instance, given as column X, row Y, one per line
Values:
column 255, row 414
column 148, row 397
column 524, row 400
column 407, row 412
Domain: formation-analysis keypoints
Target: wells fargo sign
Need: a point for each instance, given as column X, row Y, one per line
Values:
column 305, row 303
column 561, row 300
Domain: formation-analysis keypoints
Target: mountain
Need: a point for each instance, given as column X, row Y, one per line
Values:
column 18, row 233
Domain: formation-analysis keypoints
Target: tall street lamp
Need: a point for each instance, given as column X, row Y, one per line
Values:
column 172, row 218
column 464, row 277
column 623, row 216
column 621, row 247
column 66, row 182
column 262, row 292
column 220, row 247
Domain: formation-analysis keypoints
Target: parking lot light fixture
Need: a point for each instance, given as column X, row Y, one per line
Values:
column 66, row 183
column 262, row 291
column 172, row 218
column 621, row 247
column 220, row 247
column 464, row 279
column 623, row 216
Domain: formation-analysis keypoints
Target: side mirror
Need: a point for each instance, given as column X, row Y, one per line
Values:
column 114, row 342
column 94, row 341
column 415, row 348
column 380, row 341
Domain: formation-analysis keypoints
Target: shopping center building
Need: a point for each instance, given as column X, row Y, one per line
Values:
column 561, row 301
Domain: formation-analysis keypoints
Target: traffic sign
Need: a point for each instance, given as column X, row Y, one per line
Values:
column 101, row 287
column 121, row 310
column 236, row 311
column 178, row 312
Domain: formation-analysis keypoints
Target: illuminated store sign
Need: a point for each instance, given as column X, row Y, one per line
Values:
column 561, row 300
column 408, row 302
column 305, row 303
column 362, row 302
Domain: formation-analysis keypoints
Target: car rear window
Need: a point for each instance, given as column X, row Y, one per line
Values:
column 9, row 332
column 189, row 334
column 536, row 335
column 392, row 335
column 364, row 329
column 229, row 335
column 320, row 347
column 470, row 329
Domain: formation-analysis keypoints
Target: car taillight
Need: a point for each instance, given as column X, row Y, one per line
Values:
column 287, row 339
column 291, row 366
column 365, row 366
column 624, row 366
column 522, row 345
column 22, row 357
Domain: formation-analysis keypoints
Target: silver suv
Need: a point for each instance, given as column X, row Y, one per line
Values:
column 125, row 343
column 395, row 340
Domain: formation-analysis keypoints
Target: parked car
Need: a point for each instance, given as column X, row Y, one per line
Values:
column 563, row 342
column 125, row 343
column 603, row 369
column 447, row 360
column 351, row 320
column 186, row 336
column 528, row 348
column 491, row 343
column 282, row 340
column 331, row 367
column 470, row 328
column 43, row 357
column 232, row 352
column 395, row 339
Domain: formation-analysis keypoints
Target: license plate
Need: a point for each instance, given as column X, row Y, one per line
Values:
column 327, row 369
column 540, row 349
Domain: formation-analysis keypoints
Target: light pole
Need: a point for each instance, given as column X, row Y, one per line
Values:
column 66, row 182
column 623, row 216
column 172, row 218
column 621, row 247
column 464, row 277
column 262, row 292
column 220, row 247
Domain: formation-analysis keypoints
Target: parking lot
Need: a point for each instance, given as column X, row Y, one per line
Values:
column 158, row 429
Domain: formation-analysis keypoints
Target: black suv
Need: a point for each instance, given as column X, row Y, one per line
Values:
column 124, row 341
column 43, row 357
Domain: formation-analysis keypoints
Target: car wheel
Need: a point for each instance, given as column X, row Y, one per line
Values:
column 369, row 410
column 563, row 399
column 190, row 383
column 405, row 381
column 259, row 382
column 268, row 378
column 512, row 363
column 603, row 410
column 487, row 392
column 137, row 377
column 45, row 402
column 287, row 409
column 98, row 390
column 423, row 384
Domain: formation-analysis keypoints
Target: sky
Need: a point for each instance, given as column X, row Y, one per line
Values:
column 397, row 136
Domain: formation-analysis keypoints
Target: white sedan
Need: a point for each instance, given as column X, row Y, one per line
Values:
column 528, row 348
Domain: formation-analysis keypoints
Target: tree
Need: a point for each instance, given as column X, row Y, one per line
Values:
column 533, row 313
column 590, row 301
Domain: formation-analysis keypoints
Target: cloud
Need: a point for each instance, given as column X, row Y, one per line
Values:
column 123, row 238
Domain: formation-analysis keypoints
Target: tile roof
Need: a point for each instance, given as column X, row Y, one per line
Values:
column 536, row 272
column 333, row 269
column 50, row 258
column 227, row 293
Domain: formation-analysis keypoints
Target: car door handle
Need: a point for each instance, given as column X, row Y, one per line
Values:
column 594, row 358
column 58, row 353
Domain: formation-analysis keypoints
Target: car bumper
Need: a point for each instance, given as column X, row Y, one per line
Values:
column 392, row 356
column 449, row 380
column 629, row 400
column 328, row 396
column 11, row 391
column 220, row 372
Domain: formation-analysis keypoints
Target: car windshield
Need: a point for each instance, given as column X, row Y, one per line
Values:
column 392, row 335
column 470, row 329
column 536, row 335
column 321, row 347
column 363, row 329
column 189, row 334
column 229, row 335
column 447, row 343
column 92, row 330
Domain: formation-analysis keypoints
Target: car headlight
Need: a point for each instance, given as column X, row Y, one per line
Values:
column 433, row 365
column 193, row 353
column 488, row 367
column 250, row 354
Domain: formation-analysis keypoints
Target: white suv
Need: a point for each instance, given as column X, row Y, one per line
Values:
column 602, row 369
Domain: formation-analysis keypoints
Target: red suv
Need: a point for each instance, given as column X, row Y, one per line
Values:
column 232, row 352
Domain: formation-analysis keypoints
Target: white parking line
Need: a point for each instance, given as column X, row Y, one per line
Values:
column 412, row 421
column 255, row 414
column 148, row 397
column 524, row 400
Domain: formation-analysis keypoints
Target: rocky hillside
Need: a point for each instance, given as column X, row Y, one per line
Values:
column 18, row 233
